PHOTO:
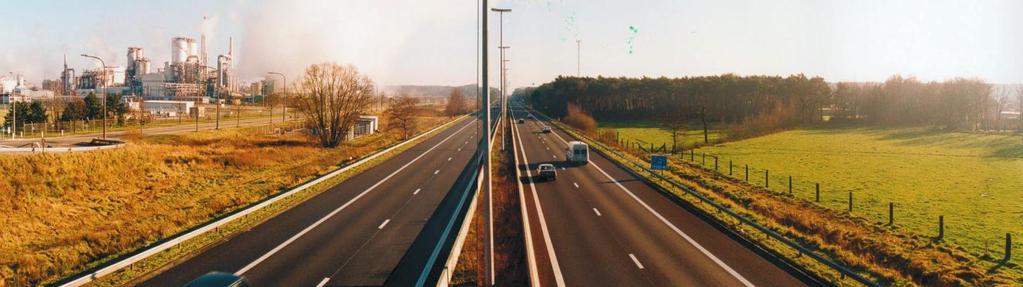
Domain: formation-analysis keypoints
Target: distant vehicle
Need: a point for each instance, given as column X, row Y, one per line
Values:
column 522, row 121
column 545, row 129
column 218, row 279
column 547, row 172
column 577, row 153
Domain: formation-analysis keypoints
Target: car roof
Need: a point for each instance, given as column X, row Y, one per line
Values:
column 216, row 279
column 546, row 165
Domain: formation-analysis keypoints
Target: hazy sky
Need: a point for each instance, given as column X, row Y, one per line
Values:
column 434, row 42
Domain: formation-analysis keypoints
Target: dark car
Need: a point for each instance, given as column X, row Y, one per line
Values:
column 547, row 172
column 219, row 279
column 522, row 121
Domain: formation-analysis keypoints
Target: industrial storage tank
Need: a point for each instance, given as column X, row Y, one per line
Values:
column 180, row 49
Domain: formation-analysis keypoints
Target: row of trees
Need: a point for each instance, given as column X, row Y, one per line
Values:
column 765, row 103
column 957, row 104
column 680, row 101
column 66, row 109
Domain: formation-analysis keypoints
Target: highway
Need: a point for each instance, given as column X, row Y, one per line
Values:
column 355, row 233
column 598, row 225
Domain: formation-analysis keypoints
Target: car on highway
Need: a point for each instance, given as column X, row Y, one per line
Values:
column 545, row 129
column 522, row 121
column 219, row 279
column 547, row 172
column 578, row 153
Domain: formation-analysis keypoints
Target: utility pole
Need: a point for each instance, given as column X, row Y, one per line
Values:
column 284, row 101
column 13, row 107
column 103, row 69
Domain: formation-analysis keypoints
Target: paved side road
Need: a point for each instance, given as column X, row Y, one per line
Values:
column 355, row 233
column 597, row 225
column 64, row 141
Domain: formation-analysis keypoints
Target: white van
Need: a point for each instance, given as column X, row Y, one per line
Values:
column 578, row 152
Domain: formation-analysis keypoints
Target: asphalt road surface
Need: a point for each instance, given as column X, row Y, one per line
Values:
column 598, row 225
column 353, row 234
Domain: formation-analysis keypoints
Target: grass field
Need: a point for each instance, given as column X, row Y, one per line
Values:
column 62, row 212
column 652, row 133
column 974, row 180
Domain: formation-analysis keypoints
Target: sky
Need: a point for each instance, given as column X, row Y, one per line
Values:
column 435, row 42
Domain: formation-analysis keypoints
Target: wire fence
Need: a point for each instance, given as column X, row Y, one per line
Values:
column 76, row 127
column 989, row 246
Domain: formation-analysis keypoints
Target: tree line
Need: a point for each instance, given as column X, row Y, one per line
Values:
column 62, row 110
column 766, row 103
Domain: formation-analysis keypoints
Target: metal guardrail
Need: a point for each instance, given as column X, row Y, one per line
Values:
column 93, row 274
column 744, row 220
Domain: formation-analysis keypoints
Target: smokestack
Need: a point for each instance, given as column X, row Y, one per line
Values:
column 230, row 46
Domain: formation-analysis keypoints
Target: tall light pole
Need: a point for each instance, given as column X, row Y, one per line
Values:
column 578, row 49
column 104, row 70
column 503, row 87
column 10, row 101
column 284, row 101
column 500, row 13
column 488, row 254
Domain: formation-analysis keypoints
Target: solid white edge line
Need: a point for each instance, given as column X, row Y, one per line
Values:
column 534, row 274
column 558, row 277
column 596, row 211
column 634, row 260
column 342, row 207
column 670, row 225
column 323, row 282
column 384, row 224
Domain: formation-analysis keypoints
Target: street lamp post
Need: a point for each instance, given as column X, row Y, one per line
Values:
column 104, row 70
column 500, row 12
column 284, row 100
column 484, row 46
column 578, row 49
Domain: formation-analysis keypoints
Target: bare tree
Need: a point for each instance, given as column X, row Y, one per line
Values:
column 456, row 102
column 674, row 124
column 402, row 114
column 332, row 97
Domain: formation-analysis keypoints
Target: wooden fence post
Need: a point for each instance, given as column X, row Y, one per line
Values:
column 817, row 186
column 729, row 167
column 941, row 227
column 1008, row 247
column 692, row 155
column 790, row 184
column 850, row 201
column 715, row 164
column 747, row 172
column 891, row 213
column 703, row 156
column 767, row 179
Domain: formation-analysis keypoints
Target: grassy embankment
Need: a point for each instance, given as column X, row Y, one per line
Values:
column 64, row 213
column 889, row 255
column 653, row 133
column 972, row 179
column 510, row 257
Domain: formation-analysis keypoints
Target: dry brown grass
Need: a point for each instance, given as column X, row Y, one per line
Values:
column 64, row 212
column 509, row 247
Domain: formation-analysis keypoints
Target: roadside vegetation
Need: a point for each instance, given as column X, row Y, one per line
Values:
column 510, row 264
column 64, row 213
column 972, row 179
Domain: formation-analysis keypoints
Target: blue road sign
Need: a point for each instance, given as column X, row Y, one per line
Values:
column 659, row 162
